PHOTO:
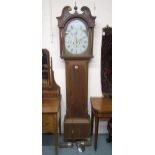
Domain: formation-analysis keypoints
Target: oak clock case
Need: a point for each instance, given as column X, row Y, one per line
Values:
column 76, row 48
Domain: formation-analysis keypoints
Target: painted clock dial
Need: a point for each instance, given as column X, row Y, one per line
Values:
column 76, row 37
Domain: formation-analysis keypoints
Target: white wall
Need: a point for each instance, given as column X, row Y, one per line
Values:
column 102, row 9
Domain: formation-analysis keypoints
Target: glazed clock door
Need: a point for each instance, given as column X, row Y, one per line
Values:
column 76, row 37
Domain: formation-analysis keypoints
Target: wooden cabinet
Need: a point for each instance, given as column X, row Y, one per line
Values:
column 51, row 109
column 50, row 115
column 51, row 97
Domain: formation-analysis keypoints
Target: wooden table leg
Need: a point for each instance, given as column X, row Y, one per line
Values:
column 60, row 121
column 56, row 143
column 92, row 121
column 56, row 135
column 96, row 132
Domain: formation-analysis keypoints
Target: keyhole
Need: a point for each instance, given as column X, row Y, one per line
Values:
column 76, row 66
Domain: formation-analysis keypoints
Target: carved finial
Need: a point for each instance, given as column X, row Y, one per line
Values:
column 75, row 7
column 69, row 8
column 107, row 30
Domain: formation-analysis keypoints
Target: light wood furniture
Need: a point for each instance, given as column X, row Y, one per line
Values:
column 50, row 112
column 51, row 97
column 50, row 118
column 100, row 108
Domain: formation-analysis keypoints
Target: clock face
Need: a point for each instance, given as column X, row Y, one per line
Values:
column 76, row 37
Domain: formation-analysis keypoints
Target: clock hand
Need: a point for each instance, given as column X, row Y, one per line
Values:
column 79, row 41
column 74, row 40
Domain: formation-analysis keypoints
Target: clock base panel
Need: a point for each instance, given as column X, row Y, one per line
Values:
column 76, row 129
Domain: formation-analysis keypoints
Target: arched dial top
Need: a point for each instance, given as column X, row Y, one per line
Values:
column 76, row 33
column 76, row 37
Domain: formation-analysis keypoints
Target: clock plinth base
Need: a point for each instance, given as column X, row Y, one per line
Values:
column 76, row 129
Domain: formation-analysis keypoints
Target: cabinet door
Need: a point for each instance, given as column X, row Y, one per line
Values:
column 76, row 88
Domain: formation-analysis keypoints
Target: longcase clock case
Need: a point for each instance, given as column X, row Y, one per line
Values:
column 77, row 120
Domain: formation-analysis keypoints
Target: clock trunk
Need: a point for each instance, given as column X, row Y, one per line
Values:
column 77, row 120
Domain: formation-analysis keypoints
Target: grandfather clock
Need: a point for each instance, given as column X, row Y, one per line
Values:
column 76, row 48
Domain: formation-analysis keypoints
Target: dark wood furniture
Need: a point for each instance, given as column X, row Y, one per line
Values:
column 109, row 128
column 51, row 107
column 106, row 61
column 100, row 108
column 76, row 48
column 106, row 69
